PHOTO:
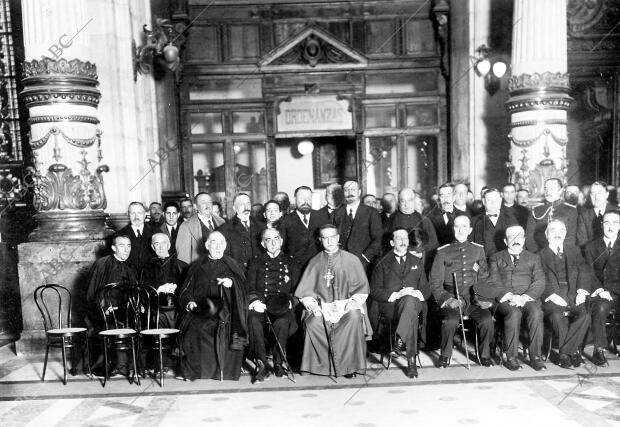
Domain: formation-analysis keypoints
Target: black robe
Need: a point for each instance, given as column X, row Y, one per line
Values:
column 206, row 338
column 159, row 271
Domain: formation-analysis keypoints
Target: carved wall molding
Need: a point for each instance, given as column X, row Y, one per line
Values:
column 48, row 67
column 523, row 143
column 538, row 80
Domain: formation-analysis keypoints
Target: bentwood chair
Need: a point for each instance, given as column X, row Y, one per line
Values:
column 116, row 302
column 147, row 302
column 388, row 350
column 54, row 302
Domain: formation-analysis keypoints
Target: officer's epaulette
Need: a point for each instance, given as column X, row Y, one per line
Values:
column 416, row 254
column 477, row 244
column 444, row 246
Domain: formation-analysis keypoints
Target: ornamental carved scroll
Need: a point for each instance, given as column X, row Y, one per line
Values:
column 60, row 189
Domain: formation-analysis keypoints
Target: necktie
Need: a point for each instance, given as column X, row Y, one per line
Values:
column 560, row 254
column 515, row 259
column 138, row 233
column 400, row 259
column 609, row 247
column 351, row 215
column 246, row 225
column 306, row 220
column 600, row 215
column 210, row 225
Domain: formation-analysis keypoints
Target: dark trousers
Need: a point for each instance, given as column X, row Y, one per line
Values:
column 284, row 326
column 600, row 311
column 405, row 313
column 450, row 321
column 569, row 324
column 512, row 317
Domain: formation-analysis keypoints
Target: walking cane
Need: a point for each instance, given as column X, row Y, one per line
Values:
column 330, row 348
column 282, row 352
column 458, row 299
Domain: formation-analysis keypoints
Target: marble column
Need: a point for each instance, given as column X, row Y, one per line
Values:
column 538, row 95
column 60, row 91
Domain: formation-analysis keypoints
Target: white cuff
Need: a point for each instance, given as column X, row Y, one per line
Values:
column 583, row 292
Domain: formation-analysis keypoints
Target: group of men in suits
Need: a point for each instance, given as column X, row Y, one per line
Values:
column 508, row 262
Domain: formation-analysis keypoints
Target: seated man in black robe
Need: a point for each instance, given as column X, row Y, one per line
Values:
column 108, row 269
column 164, row 272
column 213, row 327
column 400, row 286
column 272, row 277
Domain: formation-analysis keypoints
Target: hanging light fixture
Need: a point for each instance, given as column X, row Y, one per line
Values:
column 489, row 67
column 305, row 147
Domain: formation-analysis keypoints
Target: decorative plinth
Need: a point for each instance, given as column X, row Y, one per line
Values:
column 10, row 316
column 67, row 263
column 70, row 225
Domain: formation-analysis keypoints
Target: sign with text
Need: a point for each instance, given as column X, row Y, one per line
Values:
column 314, row 113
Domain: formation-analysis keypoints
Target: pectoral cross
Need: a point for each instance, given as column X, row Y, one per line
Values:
column 328, row 278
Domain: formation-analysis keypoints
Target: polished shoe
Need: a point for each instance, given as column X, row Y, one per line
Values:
column 598, row 357
column 278, row 370
column 443, row 362
column 487, row 362
column 350, row 376
column 399, row 346
column 412, row 368
column 512, row 364
column 261, row 372
column 565, row 361
column 537, row 363
column 576, row 359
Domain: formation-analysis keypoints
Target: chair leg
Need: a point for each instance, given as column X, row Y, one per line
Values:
column 72, row 370
column 47, row 351
column 161, row 364
column 105, row 360
column 477, row 350
column 133, row 355
column 90, row 374
column 64, row 361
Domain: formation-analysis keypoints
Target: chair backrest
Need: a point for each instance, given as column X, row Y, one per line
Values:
column 54, row 304
column 147, row 303
column 117, row 303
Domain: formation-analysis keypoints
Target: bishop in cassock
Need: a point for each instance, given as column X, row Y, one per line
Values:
column 333, row 289
column 213, row 328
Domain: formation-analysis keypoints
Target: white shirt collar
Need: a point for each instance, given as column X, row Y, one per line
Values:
column 301, row 216
column 205, row 219
column 353, row 207
column 140, row 229
column 608, row 241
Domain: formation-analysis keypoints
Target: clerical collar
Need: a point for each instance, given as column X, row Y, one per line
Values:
column 332, row 253
column 353, row 208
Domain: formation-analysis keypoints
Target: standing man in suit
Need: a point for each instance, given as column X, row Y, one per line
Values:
column 406, row 217
column 468, row 261
column 334, row 198
column 400, row 286
column 139, row 234
column 359, row 226
column 541, row 215
column 193, row 233
column 299, row 228
column 567, row 283
column 510, row 206
column 461, row 193
column 170, row 227
column 443, row 217
column 187, row 209
column 156, row 216
column 490, row 226
column 590, row 220
column 388, row 207
column 242, row 232
column 518, row 281
column 603, row 254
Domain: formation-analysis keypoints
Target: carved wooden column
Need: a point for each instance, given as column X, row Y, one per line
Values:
column 539, row 94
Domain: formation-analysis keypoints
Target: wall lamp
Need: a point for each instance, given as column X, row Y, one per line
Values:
column 489, row 67
column 163, row 42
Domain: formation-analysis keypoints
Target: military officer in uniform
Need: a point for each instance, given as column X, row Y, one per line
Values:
column 553, row 208
column 468, row 261
column 272, row 278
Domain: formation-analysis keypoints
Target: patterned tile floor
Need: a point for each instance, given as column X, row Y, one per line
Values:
column 588, row 396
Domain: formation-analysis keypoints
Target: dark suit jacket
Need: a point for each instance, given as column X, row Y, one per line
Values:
column 298, row 241
column 578, row 272
column 409, row 222
column 366, row 232
column 586, row 225
column 445, row 232
column 535, row 238
column 324, row 210
column 489, row 236
column 173, row 238
column 141, row 251
column 526, row 278
column 606, row 266
column 389, row 276
column 519, row 212
column 241, row 244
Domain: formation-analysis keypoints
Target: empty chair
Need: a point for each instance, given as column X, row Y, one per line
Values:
column 54, row 303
